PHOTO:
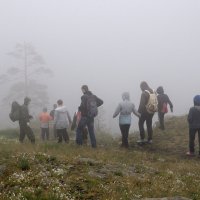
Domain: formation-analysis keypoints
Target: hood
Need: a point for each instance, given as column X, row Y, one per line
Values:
column 197, row 107
column 197, row 100
column 61, row 109
column 160, row 90
column 125, row 96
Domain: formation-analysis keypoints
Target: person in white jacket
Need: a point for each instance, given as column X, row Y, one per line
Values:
column 125, row 109
column 62, row 120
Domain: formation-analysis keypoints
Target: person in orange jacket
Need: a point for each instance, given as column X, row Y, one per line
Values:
column 44, row 124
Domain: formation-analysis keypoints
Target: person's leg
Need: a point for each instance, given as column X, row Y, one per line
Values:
column 161, row 120
column 90, row 125
column 79, row 135
column 55, row 132
column 21, row 133
column 65, row 135
column 149, row 126
column 30, row 134
column 141, row 126
column 43, row 134
column 126, row 133
column 85, row 135
column 47, row 133
column 192, row 133
column 59, row 135
column 122, row 129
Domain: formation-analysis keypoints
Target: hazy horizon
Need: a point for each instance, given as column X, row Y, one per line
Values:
column 109, row 45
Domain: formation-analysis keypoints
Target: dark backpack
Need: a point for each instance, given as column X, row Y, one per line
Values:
column 15, row 111
column 92, row 110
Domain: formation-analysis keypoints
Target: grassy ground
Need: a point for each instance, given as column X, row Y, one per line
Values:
column 53, row 171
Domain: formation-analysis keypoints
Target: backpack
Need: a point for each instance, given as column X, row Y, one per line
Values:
column 15, row 111
column 152, row 104
column 164, row 108
column 92, row 110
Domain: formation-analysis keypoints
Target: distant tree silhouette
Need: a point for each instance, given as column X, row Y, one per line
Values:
column 29, row 64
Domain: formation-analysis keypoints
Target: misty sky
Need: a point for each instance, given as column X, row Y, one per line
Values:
column 111, row 45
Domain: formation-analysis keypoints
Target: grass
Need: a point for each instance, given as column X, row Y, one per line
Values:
column 65, row 171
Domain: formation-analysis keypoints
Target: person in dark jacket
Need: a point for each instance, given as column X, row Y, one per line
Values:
column 163, row 101
column 145, row 115
column 194, row 124
column 24, row 122
column 86, row 118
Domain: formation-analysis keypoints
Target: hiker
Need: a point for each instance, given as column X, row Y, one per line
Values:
column 194, row 125
column 24, row 122
column 75, row 122
column 163, row 101
column 147, row 108
column 125, row 109
column 62, row 120
column 52, row 113
column 44, row 118
column 89, row 110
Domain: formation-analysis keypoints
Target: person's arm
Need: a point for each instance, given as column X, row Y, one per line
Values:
column 99, row 101
column 135, row 112
column 117, row 111
column 170, row 104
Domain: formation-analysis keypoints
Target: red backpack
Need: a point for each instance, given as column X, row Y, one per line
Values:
column 164, row 108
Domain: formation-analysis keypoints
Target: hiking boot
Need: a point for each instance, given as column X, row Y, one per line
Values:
column 190, row 153
column 149, row 141
column 141, row 141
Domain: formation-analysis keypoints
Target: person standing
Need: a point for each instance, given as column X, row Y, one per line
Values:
column 44, row 124
column 24, row 122
column 163, row 101
column 125, row 109
column 145, row 111
column 194, row 125
column 62, row 120
column 89, row 110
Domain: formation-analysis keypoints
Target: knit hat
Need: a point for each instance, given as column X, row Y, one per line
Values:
column 197, row 100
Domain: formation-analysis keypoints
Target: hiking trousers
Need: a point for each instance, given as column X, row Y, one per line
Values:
column 148, row 118
column 26, row 130
column 124, row 131
column 45, row 133
column 62, row 135
column 161, row 116
column 89, row 122
column 192, row 133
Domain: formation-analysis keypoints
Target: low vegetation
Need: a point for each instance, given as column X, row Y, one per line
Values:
column 54, row 171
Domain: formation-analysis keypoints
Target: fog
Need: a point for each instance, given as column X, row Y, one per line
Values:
column 110, row 45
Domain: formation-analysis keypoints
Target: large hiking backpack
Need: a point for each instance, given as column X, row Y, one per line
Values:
column 15, row 111
column 152, row 104
column 92, row 110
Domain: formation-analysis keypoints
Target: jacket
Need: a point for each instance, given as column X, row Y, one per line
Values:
column 125, row 109
column 194, row 117
column 83, row 106
column 44, row 119
column 24, row 114
column 61, row 118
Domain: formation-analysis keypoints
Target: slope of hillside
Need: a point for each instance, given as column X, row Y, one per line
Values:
column 53, row 171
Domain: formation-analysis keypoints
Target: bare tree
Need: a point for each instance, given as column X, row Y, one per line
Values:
column 29, row 64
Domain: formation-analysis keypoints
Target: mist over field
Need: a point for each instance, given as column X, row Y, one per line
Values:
column 110, row 45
